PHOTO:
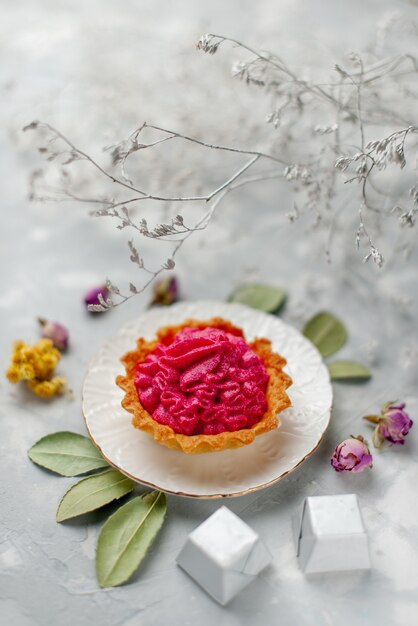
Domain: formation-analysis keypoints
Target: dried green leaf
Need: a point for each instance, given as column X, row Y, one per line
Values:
column 263, row 297
column 67, row 454
column 374, row 419
column 92, row 493
column 126, row 537
column 348, row 370
column 377, row 438
column 326, row 332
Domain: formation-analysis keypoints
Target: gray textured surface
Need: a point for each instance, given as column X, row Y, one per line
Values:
column 96, row 69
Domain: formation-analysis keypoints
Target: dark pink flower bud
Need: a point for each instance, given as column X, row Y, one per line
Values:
column 352, row 455
column 92, row 296
column 56, row 332
column 166, row 291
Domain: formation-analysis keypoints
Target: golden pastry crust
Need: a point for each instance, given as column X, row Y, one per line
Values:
column 276, row 396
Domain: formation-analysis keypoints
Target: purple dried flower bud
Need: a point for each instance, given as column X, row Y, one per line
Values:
column 166, row 291
column 56, row 332
column 92, row 296
column 352, row 455
column 393, row 424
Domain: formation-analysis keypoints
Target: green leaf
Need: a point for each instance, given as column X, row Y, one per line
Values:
column 348, row 370
column 67, row 454
column 93, row 492
column 326, row 332
column 262, row 297
column 126, row 537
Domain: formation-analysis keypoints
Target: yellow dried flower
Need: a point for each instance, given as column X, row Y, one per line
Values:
column 35, row 365
column 47, row 388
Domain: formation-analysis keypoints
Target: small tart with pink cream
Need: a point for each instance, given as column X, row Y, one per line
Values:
column 200, row 387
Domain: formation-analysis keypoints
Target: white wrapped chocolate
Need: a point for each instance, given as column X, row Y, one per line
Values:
column 330, row 535
column 223, row 555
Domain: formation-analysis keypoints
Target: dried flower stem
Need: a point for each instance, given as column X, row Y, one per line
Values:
column 354, row 104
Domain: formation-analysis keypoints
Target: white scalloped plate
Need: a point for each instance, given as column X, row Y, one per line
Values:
column 217, row 474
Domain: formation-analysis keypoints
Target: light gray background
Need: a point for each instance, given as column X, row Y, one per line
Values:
column 96, row 69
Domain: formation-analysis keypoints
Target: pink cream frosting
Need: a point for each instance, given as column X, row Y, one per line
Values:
column 206, row 381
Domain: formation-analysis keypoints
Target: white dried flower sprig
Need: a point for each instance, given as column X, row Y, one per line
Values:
column 355, row 101
column 176, row 230
column 321, row 130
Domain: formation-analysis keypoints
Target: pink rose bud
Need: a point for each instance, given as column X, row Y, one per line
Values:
column 92, row 296
column 56, row 332
column 393, row 424
column 166, row 291
column 352, row 455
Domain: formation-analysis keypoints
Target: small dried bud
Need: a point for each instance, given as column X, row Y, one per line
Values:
column 208, row 43
column 166, row 291
column 342, row 163
column 94, row 296
column 354, row 58
column 56, row 332
column 325, row 130
column 352, row 455
column 31, row 126
column 340, row 70
column 393, row 424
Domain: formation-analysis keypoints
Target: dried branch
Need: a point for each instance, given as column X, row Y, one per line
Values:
column 321, row 130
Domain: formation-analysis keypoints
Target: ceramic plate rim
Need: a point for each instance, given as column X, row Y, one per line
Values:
column 181, row 493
